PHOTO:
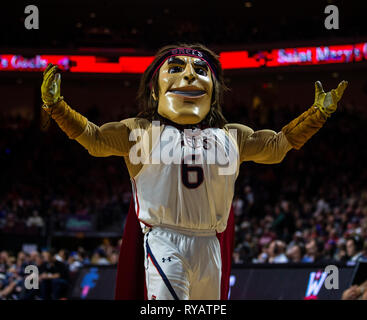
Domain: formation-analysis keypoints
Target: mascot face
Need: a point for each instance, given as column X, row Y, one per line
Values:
column 185, row 89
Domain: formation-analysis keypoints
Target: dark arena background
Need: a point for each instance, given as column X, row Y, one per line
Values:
column 292, row 220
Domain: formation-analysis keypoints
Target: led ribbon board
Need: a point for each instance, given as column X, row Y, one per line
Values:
column 303, row 56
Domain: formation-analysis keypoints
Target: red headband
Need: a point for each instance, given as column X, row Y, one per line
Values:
column 183, row 52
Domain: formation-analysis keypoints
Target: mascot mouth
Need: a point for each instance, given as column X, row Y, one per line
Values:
column 188, row 92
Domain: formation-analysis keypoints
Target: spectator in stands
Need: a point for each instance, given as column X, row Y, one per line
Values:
column 3, row 287
column 248, row 196
column 341, row 251
column 297, row 239
column 62, row 256
column 35, row 220
column 82, row 254
column 295, row 253
column 4, row 261
column 237, row 204
column 23, row 259
column 354, row 247
column 314, row 249
column 277, row 252
column 99, row 257
column 113, row 257
column 33, row 259
column 10, row 285
column 236, row 256
column 263, row 256
column 279, row 221
column 54, row 277
column 10, row 222
column 10, row 280
column 75, row 262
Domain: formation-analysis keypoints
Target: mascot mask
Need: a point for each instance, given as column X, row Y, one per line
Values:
column 185, row 78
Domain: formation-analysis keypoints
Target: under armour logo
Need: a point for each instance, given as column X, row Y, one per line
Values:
column 166, row 259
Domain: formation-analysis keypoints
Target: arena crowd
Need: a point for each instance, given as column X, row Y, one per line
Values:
column 310, row 208
column 56, row 270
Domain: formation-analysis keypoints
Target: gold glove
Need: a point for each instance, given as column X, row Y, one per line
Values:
column 301, row 129
column 70, row 121
column 327, row 102
column 50, row 89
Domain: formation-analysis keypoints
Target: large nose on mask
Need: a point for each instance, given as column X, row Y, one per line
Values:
column 189, row 74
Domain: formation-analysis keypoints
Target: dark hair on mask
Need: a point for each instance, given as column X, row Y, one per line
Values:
column 149, row 106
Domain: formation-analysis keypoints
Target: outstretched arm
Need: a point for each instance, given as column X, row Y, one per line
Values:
column 267, row 146
column 308, row 123
column 109, row 139
column 262, row 146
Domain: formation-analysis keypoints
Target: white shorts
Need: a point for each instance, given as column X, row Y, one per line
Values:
column 182, row 265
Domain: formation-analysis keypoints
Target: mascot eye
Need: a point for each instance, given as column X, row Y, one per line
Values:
column 174, row 69
column 201, row 71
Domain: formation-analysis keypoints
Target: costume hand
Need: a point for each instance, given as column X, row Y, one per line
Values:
column 327, row 102
column 50, row 89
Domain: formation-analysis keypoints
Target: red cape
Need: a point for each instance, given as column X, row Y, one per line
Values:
column 130, row 280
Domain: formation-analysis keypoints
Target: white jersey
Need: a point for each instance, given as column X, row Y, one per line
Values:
column 180, row 194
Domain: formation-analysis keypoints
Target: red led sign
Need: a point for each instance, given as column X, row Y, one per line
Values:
column 229, row 60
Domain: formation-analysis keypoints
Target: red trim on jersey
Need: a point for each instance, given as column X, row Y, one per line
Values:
column 136, row 198
column 147, row 224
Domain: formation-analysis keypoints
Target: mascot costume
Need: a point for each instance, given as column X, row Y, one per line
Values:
column 183, row 159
